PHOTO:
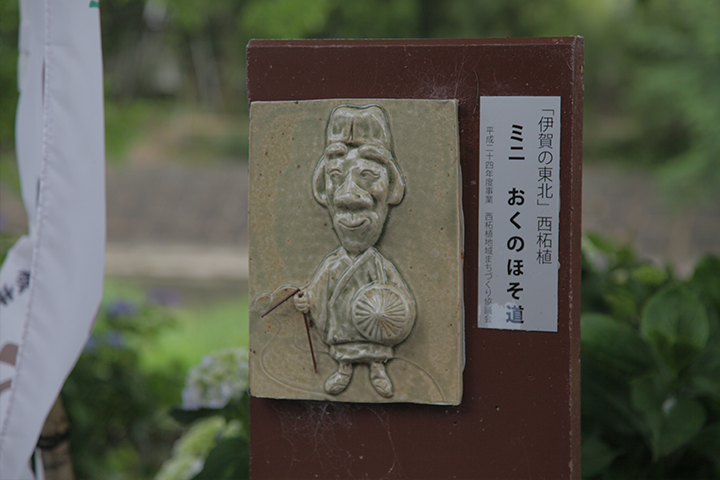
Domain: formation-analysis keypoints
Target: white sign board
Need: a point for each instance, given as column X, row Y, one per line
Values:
column 519, row 195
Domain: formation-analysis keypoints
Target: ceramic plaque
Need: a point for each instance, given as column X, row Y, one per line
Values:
column 356, row 251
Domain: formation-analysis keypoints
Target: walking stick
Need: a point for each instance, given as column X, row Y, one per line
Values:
column 307, row 323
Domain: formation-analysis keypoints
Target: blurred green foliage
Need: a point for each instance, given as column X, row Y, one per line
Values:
column 120, row 428
column 216, row 388
column 131, row 374
column 191, row 452
column 125, row 123
column 675, row 50
column 650, row 367
column 160, row 131
column 652, row 95
column 8, row 73
column 223, row 324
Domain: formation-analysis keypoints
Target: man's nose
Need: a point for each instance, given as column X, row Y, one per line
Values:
column 349, row 195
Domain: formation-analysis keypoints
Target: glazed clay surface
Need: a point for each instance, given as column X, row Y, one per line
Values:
column 355, row 221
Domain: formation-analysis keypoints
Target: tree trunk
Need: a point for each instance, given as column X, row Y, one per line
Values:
column 55, row 445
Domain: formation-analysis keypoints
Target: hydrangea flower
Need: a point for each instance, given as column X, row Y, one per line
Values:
column 220, row 378
column 167, row 298
column 190, row 451
column 112, row 338
column 121, row 308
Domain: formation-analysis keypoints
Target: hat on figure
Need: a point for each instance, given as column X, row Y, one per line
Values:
column 353, row 125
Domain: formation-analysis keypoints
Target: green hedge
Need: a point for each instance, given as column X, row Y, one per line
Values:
column 650, row 367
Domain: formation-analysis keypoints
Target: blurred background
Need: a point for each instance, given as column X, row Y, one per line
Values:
column 176, row 136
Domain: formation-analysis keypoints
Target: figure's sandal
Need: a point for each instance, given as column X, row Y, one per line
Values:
column 338, row 381
column 380, row 380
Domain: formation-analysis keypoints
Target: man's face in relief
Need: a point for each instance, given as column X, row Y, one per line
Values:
column 357, row 193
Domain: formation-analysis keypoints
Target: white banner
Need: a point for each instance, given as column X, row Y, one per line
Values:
column 51, row 281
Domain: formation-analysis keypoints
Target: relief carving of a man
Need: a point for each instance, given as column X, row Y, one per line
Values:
column 358, row 301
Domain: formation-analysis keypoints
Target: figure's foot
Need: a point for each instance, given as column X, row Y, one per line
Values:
column 338, row 381
column 380, row 380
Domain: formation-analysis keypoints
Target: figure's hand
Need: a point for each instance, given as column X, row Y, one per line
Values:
column 301, row 300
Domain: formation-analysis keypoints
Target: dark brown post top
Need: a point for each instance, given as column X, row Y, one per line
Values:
column 520, row 410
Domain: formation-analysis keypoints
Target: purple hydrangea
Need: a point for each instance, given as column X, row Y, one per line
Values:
column 121, row 308
column 168, row 298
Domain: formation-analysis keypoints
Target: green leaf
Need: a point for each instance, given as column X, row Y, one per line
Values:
column 615, row 344
column 596, row 456
column 705, row 385
column 707, row 277
column 683, row 418
column 601, row 243
column 672, row 420
column 622, row 302
column 235, row 410
column 706, row 281
column 606, row 402
column 676, row 323
column 647, row 396
column 708, row 443
column 186, row 417
column 625, row 256
column 229, row 459
column 648, row 274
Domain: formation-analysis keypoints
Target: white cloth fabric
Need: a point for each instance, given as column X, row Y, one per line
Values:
column 51, row 281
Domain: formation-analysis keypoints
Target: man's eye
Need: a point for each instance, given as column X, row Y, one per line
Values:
column 369, row 174
column 335, row 173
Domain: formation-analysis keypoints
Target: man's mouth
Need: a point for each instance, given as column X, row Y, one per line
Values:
column 352, row 221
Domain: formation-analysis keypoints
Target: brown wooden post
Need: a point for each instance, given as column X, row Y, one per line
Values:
column 520, row 412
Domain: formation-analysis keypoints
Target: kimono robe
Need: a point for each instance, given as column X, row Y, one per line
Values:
column 334, row 291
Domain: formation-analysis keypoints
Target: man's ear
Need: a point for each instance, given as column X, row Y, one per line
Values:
column 318, row 184
column 397, row 184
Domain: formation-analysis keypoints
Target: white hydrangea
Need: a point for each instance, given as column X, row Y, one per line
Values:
column 220, row 378
column 190, row 451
